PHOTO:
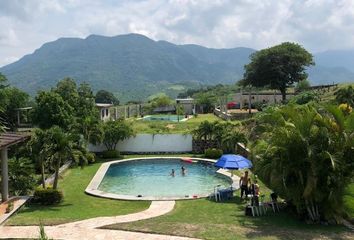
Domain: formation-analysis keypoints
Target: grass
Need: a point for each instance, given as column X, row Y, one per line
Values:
column 210, row 220
column 165, row 127
column 76, row 205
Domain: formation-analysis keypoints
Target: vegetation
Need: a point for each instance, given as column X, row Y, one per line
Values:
column 225, row 134
column 213, row 153
column 278, row 67
column 306, row 155
column 21, row 176
column 76, row 205
column 165, row 127
column 115, row 131
column 345, row 95
column 47, row 196
column 103, row 96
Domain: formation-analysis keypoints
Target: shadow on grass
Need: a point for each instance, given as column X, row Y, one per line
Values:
column 35, row 207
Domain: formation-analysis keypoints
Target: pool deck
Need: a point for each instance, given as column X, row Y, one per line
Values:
column 92, row 188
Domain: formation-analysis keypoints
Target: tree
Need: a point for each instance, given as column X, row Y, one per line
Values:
column 103, row 96
column 345, row 95
column 115, row 131
column 206, row 100
column 10, row 99
column 306, row 154
column 52, row 110
column 38, row 146
column 161, row 101
column 3, row 81
column 278, row 67
column 303, row 85
column 67, row 89
column 60, row 147
column 179, row 111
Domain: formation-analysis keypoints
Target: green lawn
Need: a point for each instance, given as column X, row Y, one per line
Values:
column 210, row 220
column 76, row 205
column 166, row 127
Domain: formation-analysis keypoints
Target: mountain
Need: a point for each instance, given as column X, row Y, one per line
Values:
column 131, row 66
column 135, row 67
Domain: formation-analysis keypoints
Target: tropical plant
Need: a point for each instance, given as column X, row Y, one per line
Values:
column 60, row 148
column 179, row 111
column 115, row 131
column 306, row 154
column 345, row 95
column 225, row 134
column 38, row 146
column 103, row 96
column 21, row 176
column 278, row 67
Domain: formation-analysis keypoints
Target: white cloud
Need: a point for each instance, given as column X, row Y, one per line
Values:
column 316, row 24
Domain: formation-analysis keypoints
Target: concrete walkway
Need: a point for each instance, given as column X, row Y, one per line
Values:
column 87, row 229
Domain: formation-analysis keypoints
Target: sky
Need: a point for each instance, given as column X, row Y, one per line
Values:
column 318, row 25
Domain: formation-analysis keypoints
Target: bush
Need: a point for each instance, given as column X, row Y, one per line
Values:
column 91, row 157
column 48, row 196
column 110, row 154
column 213, row 153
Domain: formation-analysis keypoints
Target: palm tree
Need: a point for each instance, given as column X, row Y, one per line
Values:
column 306, row 155
column 38, row 146
column 60, row 146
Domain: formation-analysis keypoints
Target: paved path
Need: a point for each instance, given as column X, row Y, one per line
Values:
column 87, row 229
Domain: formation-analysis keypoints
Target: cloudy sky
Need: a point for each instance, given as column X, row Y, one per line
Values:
column 316, row 24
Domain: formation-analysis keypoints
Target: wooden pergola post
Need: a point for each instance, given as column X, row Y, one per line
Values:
column 4, row 175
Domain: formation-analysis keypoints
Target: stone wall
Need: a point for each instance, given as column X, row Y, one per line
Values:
column 199, row 146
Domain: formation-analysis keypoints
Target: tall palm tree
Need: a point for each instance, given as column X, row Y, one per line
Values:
column 38, row 146
column 60, row 146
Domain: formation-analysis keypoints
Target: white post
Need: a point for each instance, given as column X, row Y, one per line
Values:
column 4, row 175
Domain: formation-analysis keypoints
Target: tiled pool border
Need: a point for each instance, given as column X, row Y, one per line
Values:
column 92, row 188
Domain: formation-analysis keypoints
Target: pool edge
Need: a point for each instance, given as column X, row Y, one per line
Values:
column 92, row 187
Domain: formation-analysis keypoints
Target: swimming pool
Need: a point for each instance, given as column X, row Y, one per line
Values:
column 150, row 179
column 172, row 118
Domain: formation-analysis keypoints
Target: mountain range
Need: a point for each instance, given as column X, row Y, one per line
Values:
column 135, row 67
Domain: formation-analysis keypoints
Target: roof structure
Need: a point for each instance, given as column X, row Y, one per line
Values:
column 8, row 139
column 104, row 105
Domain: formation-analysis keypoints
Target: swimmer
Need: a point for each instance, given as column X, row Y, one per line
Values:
column 183, row 170
column 172, row 173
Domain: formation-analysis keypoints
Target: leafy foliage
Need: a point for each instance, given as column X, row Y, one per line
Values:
column 115, row 131
column 47, row 196
column 103, row 96
column 21, row 176
column 52, row 110
column 278, row 67
column 225, row 134
column 345, row 95
column 213, row 153
column 306, row 154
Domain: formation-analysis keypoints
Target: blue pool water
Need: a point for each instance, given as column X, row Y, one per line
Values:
column 151, row 177
column 172, row 118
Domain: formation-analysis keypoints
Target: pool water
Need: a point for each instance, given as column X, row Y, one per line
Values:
column 172, row 118
column 151, row 178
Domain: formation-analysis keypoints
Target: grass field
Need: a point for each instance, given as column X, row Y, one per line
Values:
column 76, row 205
column 166, row 127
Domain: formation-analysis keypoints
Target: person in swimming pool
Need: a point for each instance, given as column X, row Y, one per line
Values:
column 183, row 170
column 172, row 173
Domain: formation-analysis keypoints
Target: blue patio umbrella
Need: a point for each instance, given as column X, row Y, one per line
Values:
column 232, row 161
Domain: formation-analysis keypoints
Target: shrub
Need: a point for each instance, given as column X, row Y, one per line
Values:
column 91, row 157
column 110, row 154
column 47, row 196
column 213, row 153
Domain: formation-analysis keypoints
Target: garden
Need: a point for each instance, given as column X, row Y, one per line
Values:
column 302, row 149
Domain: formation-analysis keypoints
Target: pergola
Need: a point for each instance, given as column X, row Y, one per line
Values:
column 7, row 140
